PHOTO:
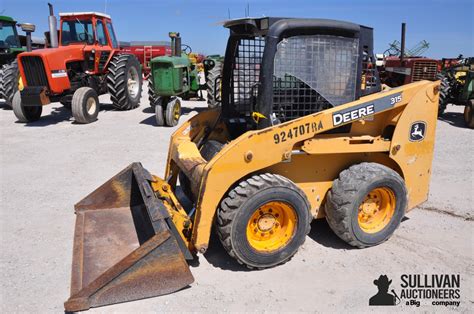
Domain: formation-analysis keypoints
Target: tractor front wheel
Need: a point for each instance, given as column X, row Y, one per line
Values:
column 263, row 220
column 9, row 81
column 85, row 105
column 366, row 204
column 124, row 82
column 173, row 111
column 25, row 113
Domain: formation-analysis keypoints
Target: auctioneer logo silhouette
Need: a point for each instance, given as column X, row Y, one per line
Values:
column 383, row 297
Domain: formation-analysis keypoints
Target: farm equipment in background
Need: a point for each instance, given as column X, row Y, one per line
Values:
column 12, row 44
column 176, row 77
column 83, row 63
column 145, row 51
column 400, row 67
column 289, row 143
column 457, row 86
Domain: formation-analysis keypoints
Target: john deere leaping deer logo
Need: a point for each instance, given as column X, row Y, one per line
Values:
column 383, row 297
column 417, row 131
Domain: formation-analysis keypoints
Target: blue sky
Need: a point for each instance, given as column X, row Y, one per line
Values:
column 447, row 25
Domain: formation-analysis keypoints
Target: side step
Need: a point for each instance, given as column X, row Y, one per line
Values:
column 125, row 245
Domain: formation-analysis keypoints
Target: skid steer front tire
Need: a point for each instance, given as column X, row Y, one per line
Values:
column 124, row 82
column 263, row 220
column 85, row 105
column 25, row 113
column 366, row 204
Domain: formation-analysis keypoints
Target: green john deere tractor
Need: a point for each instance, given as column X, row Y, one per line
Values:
column 457, row 88
column 10, row 47
column 180, row 76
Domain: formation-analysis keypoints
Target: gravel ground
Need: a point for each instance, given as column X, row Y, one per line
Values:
column 48, row 166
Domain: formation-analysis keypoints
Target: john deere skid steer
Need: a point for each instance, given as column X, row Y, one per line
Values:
column 304, row 132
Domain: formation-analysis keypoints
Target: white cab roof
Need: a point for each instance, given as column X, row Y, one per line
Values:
column 84, row 13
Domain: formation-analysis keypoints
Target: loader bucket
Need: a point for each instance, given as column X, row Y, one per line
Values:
column 125, row 245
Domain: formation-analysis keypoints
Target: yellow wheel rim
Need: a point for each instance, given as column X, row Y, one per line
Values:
column 377, row 209
column 177, row 111
column 271, row 226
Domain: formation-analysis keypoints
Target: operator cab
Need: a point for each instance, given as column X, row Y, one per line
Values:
column 87, row 28
column 283, row 69
column 8, row 35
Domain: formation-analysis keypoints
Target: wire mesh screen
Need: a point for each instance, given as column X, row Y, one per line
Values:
column 313, row 73
column 245, row 73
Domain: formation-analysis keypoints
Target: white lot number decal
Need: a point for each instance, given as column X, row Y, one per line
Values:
column 395, row 99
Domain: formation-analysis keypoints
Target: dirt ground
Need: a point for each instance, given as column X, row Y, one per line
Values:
column 49, row 165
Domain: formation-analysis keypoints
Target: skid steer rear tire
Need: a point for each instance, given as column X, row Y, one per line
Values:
column 85, row 105
column 351, row 190
column 124, row 81
column 211, row 87
column 247, row 208
column 25, row 113
column 9, row 80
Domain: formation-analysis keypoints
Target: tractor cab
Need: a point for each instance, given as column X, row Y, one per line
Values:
column 277, row 69
column 8, row 34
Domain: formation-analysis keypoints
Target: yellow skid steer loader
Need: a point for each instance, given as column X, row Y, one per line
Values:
column 305, row 131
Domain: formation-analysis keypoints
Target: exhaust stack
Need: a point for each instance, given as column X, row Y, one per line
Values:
column 402, row 44
column 175, row 44
column 53, row 29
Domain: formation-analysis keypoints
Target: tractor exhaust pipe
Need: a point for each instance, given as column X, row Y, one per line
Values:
column 53, row 29
column 175, row 44
column 402, row 44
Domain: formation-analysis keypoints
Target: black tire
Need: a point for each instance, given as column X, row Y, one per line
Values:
column 208, row 151
column 85, row 105
column 444, row 93
column 25, row 113
column 242, row 201
column 9, row 78
column 160, row 118
column 350, row 190
column 468, row 114
column 152, row 96
column 211, row 87
column 173, row 111
column 121, row 69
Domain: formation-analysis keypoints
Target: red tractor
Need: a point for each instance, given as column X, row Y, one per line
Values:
column 85, row 62
column 400, row 67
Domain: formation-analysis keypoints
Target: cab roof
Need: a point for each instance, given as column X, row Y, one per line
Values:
column 84, row 13
column 4, row 18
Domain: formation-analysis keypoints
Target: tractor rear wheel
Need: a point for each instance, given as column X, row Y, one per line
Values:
column 366, row 204
column 263, row 220
column 468, row 114
column 25, row 113
column 9, row 81
column 444, row 93
column 85, row 105
column 212, row 88
column 124, row 81
column 152, row 96
column 173, row 112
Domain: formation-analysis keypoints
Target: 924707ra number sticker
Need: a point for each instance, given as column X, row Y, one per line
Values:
column 297, row 131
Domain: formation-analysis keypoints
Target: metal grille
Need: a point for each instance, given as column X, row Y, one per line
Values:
column 424, row 70
column 245, row 73
column 312, row 73
column 34, row 71
column 369, row 78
